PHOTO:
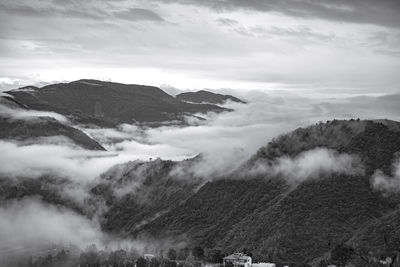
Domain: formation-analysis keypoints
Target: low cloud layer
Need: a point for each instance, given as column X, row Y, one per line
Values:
column 310, row 164
column 30, row 221
column 42, row 159
column 225, row 142
column 31, row 226
column 387, row 183
column 25, row 114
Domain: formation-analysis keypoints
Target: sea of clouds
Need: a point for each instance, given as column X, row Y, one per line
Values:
column 225, row 141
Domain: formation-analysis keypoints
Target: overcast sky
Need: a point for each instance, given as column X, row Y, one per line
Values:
column 329, row 46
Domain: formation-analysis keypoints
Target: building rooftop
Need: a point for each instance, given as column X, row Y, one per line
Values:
column 237, row 256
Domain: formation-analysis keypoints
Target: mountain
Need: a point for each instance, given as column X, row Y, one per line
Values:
column 203, row 96
column 138, row 192
column 34, row 128
column 290, row 222
column 108, row 104
column 284, row 214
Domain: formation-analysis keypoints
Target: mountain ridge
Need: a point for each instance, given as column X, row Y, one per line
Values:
column 108, row 103
column 204, row 96
column 300, row 223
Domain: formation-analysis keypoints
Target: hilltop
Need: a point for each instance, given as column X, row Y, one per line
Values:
column 277, row 219
column 296, row 200
column 108, row 104
column 203, row 96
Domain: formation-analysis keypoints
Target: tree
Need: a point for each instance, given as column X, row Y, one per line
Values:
column 171, row 254
column 215, row 256
column 168, row 263
column 183, row 253
column 117, row 258
column 141, row 262
column 154, row 262
column 198, row 253
column 342, row 254
column 247, row 252
column 392, row 247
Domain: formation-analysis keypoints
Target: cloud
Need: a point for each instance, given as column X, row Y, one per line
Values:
column 226, row 22
column 88, row 10
column 225, row 142
column 386, row 183
column 359, row 11
column 137, row 14
column 300, row 33
column 384, row 106
column 31, row 226
column 35, row 160
column 311, row 164
column 28, row 114
column 30, row 221
column 260, row 50
column 38, row 10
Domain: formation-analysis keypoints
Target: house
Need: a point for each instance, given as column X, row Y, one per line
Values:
column 238, row 260
column 207, row 264
column 148, row 257
column 263, row 264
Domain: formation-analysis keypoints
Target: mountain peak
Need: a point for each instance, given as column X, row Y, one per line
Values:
column 204, row 96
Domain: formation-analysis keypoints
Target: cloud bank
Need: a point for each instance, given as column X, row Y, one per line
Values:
column 225, row 141
column 248, row 43
column 385, row 183
column 310, row 164
column 30, row 221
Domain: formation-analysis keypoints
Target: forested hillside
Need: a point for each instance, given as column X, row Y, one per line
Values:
column 299, row 222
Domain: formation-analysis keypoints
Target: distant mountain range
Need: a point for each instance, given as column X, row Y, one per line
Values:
column 95, row 103
column 203, row 96
column 109, row 104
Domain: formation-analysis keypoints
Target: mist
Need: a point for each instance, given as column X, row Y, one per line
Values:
column 310, row 164
column 30, row 225
column 30, row 221
column 387, row 183
column 225, row 141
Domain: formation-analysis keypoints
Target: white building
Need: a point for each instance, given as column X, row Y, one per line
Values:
column 238, row 260
column 263, row 264
column 148, row 257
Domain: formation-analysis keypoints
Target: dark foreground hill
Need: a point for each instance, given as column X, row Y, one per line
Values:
column 283, row 221
column 279, row 216
column 203, row 96
column 107, row 103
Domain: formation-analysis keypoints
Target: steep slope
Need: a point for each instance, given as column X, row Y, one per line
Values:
column 107, row 103
column 40, row 127
column 136, row 193
column 288, row 222
column 49, row 189
column 380, row 237
column 208, row 215
column 203, row 96
column 309, row 220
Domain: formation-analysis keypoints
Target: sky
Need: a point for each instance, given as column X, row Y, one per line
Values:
column 304, row 46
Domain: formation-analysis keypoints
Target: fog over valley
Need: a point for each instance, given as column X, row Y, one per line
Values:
column 181, row 133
